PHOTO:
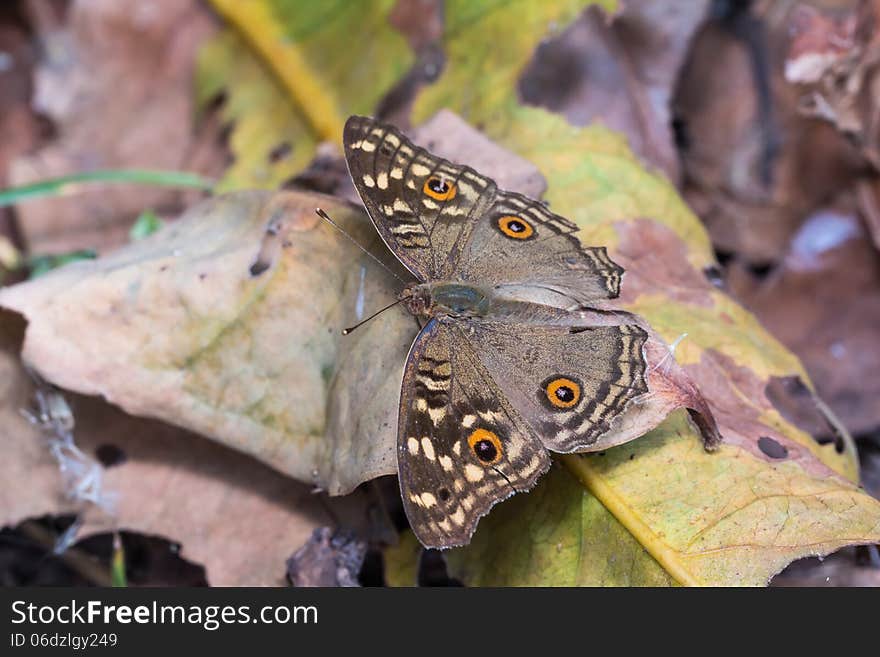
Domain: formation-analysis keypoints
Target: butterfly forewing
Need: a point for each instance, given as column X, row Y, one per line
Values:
column 422, row 205
column 462, row 447
column 520, row 242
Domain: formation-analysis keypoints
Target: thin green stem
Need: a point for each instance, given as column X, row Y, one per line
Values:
column 73, row 183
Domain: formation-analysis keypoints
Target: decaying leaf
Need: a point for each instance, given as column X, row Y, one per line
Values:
column 829, row 279
column 837, row 58
column 748, row 155
column 254, row 358
column 237, row 517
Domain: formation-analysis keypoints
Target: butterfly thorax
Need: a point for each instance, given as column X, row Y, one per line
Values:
column 445, row 298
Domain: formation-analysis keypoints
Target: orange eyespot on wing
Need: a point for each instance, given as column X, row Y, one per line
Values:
column 563, row 392
column 486, row 446
column 439, row 189
column 515, row 227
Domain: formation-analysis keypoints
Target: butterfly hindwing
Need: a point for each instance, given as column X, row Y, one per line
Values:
column 568, row 382
column 422, row 205
column 461, row 445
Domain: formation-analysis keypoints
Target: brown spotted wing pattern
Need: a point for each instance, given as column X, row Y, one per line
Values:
column 570, row 382
column 423, row 206
column 491, row 383
column 462, row 446
column 441, row 218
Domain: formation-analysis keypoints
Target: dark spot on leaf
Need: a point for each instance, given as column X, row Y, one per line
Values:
column 110, row 455
column 772, row 448
column 216, row 101
column 761, row 269
column 723, row 257
column 280, row 152
column 226, row 133
column 259, row 267
column 714, row 275
column 680, row 133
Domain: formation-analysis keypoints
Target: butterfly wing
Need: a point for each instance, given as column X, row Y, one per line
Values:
column 461, row 445
column 519, row 242
column 568, row 382
column 423, row 206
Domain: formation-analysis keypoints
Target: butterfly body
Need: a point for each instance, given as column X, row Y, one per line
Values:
column 502, row 369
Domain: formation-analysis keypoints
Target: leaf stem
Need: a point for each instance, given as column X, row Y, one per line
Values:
column 72, row 183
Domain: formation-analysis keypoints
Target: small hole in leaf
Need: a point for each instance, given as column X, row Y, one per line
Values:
column 760, row 269
column 723, row 257
column 110, row 455
column 258, row 267
column 280, row 152
column 772, row 448
column 714, row 275
column 680, row 133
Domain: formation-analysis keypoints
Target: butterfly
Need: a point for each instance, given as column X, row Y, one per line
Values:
column 495, row 380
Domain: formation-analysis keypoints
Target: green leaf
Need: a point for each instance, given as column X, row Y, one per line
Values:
column 118, row 577
column 40, row 265
column 145, row 225
column 557, row 535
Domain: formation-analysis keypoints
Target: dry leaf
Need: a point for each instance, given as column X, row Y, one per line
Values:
column 823, row 302
column 837, row 57
column 237, row 517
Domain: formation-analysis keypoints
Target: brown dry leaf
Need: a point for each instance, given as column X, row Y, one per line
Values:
column 619, row 70
column 823, row 302
column 836, row 56
column 753, row 178
column 229, row 323
column 237, row 517
column 117, row 82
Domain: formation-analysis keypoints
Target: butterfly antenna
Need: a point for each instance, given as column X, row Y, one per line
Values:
column 364, row 321
column 320, row 212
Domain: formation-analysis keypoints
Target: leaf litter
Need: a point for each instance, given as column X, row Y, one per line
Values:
column 620, row 204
